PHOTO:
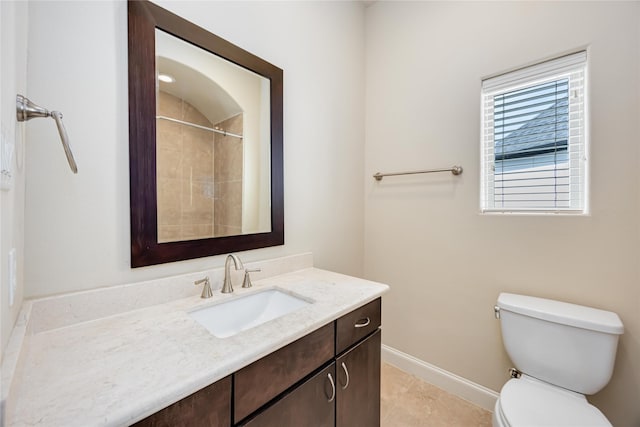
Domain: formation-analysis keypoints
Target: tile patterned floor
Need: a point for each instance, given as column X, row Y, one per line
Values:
column 407, row 401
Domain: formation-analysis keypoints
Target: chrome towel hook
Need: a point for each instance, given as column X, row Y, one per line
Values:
column 26, row 110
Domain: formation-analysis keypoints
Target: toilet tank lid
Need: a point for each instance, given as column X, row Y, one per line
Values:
column 562, row 312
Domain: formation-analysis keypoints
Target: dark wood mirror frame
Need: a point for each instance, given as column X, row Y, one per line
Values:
column 144, row 18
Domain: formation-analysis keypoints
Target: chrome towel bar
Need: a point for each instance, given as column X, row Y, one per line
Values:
column 456, row 170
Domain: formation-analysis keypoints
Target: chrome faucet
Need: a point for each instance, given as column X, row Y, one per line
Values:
column 227, row 286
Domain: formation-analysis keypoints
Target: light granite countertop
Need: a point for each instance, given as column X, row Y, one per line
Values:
column 118, row 369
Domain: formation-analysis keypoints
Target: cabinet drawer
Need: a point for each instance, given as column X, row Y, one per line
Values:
column 266, row 378
column 356, row 325
column 210, row 406
column 310, row 404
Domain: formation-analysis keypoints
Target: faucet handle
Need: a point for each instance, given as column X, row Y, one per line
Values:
column 206, row 289
column 247, row 279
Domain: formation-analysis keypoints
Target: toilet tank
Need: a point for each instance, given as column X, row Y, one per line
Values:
column 564, row 344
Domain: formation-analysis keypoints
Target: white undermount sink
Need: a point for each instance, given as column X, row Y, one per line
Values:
column 228, row 318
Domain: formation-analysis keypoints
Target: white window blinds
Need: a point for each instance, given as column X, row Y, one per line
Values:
column 533, row 138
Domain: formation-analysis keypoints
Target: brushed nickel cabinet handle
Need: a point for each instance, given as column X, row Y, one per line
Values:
column 333, row 388
column 346, row 372
column 362, row 323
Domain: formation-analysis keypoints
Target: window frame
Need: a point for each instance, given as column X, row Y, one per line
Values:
column 562, row 67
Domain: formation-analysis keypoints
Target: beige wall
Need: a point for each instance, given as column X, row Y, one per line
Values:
column 77, row 226
column 13, row 73
column 445, row 262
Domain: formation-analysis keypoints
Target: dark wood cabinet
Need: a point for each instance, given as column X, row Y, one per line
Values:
column 354, row 375
column 208, row 407
column 310, row 404
column 265, row 379
column 330, row 377
column 358, row 384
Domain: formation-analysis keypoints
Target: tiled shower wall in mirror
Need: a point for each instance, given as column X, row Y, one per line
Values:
column 199, row 174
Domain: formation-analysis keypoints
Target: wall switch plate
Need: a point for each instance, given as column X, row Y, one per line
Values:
column 13, row 268
column 7, row 147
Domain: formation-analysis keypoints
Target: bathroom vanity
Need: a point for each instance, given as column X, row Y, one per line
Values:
column 328, row 377
column 134, row 355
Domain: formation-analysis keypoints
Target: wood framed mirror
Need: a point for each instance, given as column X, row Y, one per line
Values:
column 205, row 142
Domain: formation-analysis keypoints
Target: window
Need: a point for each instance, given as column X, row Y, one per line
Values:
column 534, row 139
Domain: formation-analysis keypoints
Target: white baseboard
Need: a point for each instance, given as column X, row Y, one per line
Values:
column 452, row 383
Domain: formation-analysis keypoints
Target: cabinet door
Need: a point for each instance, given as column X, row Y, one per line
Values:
column 208, row 407
column 358, row 377
column 311, row 404
column 257, row 384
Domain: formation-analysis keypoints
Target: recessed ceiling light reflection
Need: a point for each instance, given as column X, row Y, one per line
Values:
column 166, row 78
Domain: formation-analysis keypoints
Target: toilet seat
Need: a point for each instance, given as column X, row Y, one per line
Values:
column 528, row 402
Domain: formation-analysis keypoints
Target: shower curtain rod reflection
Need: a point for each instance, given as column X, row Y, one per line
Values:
column 456, row 170
column 182, row 122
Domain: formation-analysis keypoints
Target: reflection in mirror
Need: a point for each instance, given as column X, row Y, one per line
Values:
column 212, row 144
column 205, row 144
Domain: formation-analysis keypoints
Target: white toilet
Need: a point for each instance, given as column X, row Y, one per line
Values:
column 561, row 352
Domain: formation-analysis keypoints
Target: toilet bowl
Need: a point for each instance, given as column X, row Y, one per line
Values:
column 561, row 352
column 529, row 402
